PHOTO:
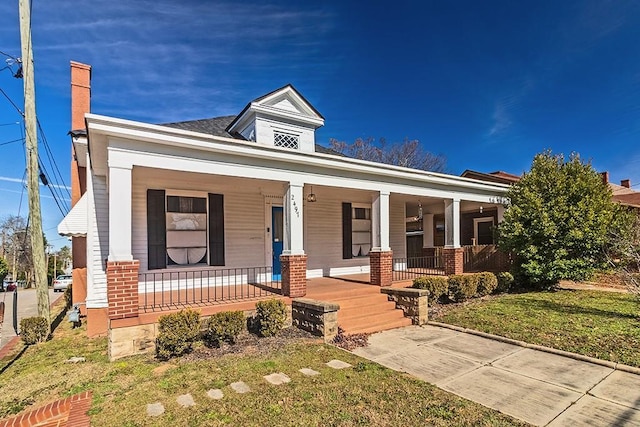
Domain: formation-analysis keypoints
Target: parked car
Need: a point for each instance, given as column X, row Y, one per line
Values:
column 62, row 282
column 8, row 286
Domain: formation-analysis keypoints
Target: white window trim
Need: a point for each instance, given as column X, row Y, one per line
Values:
column 476, row 221
column 189, row 193
column 362, row 206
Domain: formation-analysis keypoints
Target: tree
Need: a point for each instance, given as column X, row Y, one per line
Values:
column 4, row 269
column 408, row 153
column 559, row 221
column 623, row 252
column 17, row 247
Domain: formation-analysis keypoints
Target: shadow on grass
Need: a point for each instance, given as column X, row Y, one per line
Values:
column 54, row 325
column 14, row 359
column 564, row 309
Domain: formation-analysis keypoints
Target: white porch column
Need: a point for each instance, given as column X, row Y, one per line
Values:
column 380, row 222
column 427, row 229
column 500, row 213
column 120, row 213
column 293, row 223
column 452, row 223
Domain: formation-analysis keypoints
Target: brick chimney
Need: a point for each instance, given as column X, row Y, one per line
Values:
column 626, row 183
column 80, row 105
column 605, row 177
column 80, row 93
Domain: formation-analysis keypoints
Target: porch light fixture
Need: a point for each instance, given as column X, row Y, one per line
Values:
column 311, row 197
column 480, row 208
column 419, row 210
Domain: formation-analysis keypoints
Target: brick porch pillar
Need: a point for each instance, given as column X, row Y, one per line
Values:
column 453, row 259
column 122, row 288
column 381, row 268
column 294, row 275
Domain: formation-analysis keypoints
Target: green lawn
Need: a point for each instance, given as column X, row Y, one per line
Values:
column 366, row 394
column 605, row 325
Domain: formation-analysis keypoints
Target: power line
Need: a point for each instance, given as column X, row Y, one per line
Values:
column 10, row 56
column 12, row 103
column 52, row 161
column 11, row 142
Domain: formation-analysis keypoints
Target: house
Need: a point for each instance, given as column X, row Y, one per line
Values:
column 230, row 209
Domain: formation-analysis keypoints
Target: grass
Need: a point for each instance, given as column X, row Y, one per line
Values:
column 604, row 325
column 366, row 394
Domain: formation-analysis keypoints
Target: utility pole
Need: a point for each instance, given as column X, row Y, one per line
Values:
column 31, row 144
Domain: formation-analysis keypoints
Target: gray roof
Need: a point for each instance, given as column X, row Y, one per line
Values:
column 217, row 126
column 214, row 126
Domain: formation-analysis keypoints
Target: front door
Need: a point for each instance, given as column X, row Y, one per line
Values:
column 277, row 239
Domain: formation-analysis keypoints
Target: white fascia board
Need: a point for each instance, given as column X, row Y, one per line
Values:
column 136, row 131
column 265, row 109
column 119, row 157
column 288, row 91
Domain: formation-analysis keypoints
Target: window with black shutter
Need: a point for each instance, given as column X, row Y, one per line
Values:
column 184, row 230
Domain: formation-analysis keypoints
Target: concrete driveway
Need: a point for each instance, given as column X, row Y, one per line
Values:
column 27, row 307
column 535, row 386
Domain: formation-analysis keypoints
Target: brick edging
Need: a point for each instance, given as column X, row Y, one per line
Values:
column 575, row 356
column 76, row 406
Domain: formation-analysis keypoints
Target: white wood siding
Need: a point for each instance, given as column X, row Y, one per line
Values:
column 97, row 241
column 397, row 228
column 243, row 213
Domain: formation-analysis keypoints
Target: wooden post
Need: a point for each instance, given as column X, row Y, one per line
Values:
column 31, row 145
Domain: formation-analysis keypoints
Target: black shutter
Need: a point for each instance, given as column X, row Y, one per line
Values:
column 346, row 231
column 216, row 229
column 156, row 230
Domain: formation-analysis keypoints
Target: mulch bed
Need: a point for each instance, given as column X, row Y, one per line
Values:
column 252, row 344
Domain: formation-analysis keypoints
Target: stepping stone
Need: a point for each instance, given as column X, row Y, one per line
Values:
column 240, row 387
column 215, row 393
column 309, row 372
column 185, row 400
column 76, row 359
column 155, row 409
column 338, row 364
column 277, row 379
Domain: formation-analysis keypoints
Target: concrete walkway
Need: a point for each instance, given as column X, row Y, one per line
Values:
column 531, row 385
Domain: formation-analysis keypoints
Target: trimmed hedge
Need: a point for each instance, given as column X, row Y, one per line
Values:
column 437, row 286
column 271, row 315
column 487, row 283
column 177, row 332
column 505, row 281
column 34, row 330
column 463, row 286
column 223, row 327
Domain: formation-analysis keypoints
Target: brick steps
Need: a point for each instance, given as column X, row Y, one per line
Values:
column 365, row 310
column 373, row 327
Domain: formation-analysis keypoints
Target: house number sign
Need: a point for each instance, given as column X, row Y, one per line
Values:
column 295, row 206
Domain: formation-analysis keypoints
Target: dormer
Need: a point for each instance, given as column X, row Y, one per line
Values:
column 282, row 118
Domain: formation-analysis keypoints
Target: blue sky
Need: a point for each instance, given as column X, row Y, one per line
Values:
column 488, row 84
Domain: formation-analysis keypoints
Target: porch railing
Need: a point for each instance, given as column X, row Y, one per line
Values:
column 184, row 288
column 485, row 258
column 410, row 268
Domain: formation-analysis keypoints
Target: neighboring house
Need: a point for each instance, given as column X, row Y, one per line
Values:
column 207, row 211
column 623, row 193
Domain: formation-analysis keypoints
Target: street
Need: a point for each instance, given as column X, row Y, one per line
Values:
column 27, row 307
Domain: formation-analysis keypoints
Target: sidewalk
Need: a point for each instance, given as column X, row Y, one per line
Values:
column 27, row 307
column 532, row 385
